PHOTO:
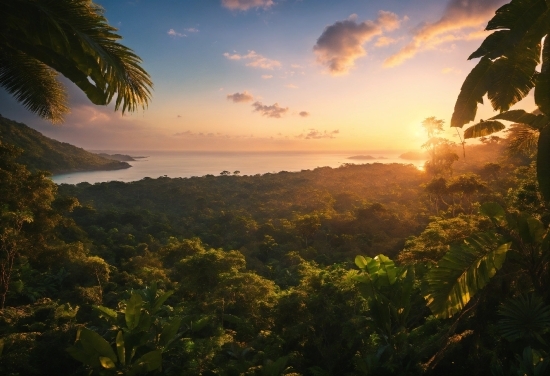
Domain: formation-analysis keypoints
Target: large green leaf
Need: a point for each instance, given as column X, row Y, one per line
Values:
column 492, row 46
column 512, row 78
column 462, row 272
column 484, row 128
column 524, row 317
column 169, row 331
column 133, row 310
column 520, row 116
column 471, row 93
column 147, row 363
column 94, row 343
column 543, row 163
column 121, row 350
column 160, row 301
column 518, row 15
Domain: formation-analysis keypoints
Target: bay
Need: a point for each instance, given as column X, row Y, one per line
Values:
column 177, row 164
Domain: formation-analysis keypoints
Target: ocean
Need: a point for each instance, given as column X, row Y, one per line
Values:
column 187, row 164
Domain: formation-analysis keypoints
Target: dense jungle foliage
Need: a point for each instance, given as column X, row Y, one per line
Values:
column 374, row 269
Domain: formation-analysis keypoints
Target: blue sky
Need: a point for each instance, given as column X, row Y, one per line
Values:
column 282, row 74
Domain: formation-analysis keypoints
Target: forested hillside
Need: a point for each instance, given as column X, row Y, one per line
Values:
column 43, row 153
column 287, row 273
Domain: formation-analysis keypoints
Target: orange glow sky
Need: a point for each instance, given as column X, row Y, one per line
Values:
column 317, row 75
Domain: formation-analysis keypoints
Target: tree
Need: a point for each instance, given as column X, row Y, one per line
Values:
column 72, row 37
column 507, row 72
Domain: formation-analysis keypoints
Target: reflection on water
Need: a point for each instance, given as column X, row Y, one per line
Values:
column 187, row 164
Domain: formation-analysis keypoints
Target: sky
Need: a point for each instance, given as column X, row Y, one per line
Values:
column 283, row 75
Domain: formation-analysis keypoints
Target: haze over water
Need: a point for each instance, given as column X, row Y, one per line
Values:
column 176, row 164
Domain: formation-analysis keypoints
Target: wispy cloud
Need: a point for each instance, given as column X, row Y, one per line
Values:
column 192, row 30
column 291, row 86
column 175, row 34
column 462, row 20
column 385, row 41
column 314, row 134
column 267, row 76
column 246, row 4
column 304, row 114
column 243, row 97
column 255, row 60
column 342, row 43
column 273, row 111
column 449, row 70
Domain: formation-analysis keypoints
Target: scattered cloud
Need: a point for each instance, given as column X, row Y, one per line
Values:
column 192, row 30
column 243, row 97
column 267, row 76
column 175, row 34
column 385, row 41
column 246, row 4
column 255, row 60
column 273, row 111
column 291, row 86
column 342, row 43
column 296, row 66
column 304, row 114
column 314, row 134
column 457, row 22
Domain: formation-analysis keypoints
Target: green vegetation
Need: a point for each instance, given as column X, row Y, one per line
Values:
column 375, row 269
column 72, row 37
column 361, row 270
column 43, row 153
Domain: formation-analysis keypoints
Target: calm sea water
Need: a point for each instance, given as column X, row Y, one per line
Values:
column 187, row 164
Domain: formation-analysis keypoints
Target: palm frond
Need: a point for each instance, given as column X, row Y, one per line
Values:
column 33, row 84
column 522, row 140
column 471, row 93
column 462, row 272
column 484, row 128
column 524, row 318
column 74, row 38
column 534, row 121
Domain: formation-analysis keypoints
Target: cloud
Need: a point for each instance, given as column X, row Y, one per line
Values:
column 246, row 4
column 255, row 60
column 273, row 111
column 192, row 30
column 304, row 114
column 314, row 134
column 342, row 43
column 459, row 16
column 240, row 97
column 384, row 41
column 175, row 34
column 291, row 86
column 267, row 76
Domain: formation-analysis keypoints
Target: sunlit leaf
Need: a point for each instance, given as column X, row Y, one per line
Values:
column 522, row 117
column 462, row 272
column 484, row 128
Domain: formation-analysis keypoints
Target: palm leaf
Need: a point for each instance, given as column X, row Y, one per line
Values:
column 484, row 128
column 542, row 85
column 33, row 84
column 518, row 15
column 462, row 272
column 513, row 78
column 522, row 140
column 74, row 38
column 471, row 93
column 522, row 117
column 525, row 317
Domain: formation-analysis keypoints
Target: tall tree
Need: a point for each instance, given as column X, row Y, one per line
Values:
column 507, row 72
column 39, row 38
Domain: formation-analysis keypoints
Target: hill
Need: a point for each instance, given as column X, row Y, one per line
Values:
column 43, row 153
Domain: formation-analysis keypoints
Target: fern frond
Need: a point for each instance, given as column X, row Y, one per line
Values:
column 462, row 272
